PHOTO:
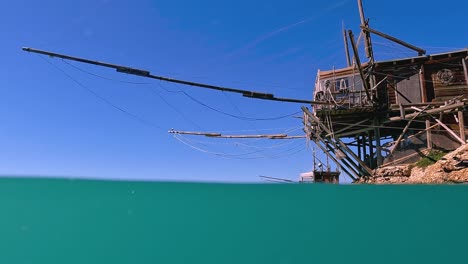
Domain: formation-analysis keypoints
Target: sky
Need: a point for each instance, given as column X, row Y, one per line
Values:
column 66, row 119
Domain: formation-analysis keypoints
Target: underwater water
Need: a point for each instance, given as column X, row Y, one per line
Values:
column 83, row 221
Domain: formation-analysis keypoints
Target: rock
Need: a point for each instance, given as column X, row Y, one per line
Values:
column 452, row 168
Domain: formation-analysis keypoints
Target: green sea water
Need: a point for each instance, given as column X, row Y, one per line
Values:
column 81, row 221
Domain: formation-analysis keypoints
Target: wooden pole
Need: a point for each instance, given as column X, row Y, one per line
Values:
column 358, row 64
column 422, row 83
column 429, row 134
column 430, row 111
column 404, row 131
column 378, row 148
column 401, row 42
column 343, row 146
column 359, row 147
column 147, row 74
column 345, row 39
column 353, row 174
column 364, row 146
column 465, row 70
column 461, row 124
column 371, row 150
column 367, row 41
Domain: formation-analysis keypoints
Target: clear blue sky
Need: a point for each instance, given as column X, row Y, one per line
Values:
column 50, row 126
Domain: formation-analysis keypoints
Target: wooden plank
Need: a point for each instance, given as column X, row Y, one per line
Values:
column 428, row 112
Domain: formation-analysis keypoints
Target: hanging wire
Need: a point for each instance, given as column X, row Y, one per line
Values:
column 103, row 99
column 184, row 93
column 226, row 113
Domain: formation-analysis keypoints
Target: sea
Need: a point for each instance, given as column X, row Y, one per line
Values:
column 90, row 221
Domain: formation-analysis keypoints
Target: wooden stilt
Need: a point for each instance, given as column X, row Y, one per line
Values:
column 359, row 147
column 371, row 150
column 461, row 124
column 422, row 84
column 429, row 134
column 465, row 70
column 378, row 148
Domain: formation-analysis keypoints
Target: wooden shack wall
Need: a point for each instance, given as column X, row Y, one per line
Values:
column 446, row 79
column 409, row 90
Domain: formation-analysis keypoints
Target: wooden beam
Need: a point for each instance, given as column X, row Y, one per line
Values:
column 378, row 147
column 354, row 175
column 428, row 134
column 404, row 132
column 402, row 111
column 314, row 119
column 401, row 42
column 444, row 126
column 465, row 70
column 461, row 124
column 450, row 131
column 348, row 127
column 354, row 132
column 422, row 84
column 371, row 149
column 428, row 112
column 358, row 64
column 367, row 40
column 345, row 39
column 147, row 74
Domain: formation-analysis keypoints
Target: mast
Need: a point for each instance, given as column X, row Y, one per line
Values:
column 367, row 38
column 345, row 39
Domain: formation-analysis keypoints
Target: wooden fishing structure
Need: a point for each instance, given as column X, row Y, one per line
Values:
column 411, row 104
column 369, row 114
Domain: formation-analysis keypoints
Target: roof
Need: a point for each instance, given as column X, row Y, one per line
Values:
column 421, row 59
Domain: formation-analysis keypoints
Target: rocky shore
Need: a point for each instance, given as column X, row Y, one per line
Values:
column 451, row 168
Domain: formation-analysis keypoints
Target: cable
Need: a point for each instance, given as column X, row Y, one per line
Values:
column 136, row 83
column 225, row 113
column 186, row 94
column 232, row 156
column 106, row 101
column 175, row 109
